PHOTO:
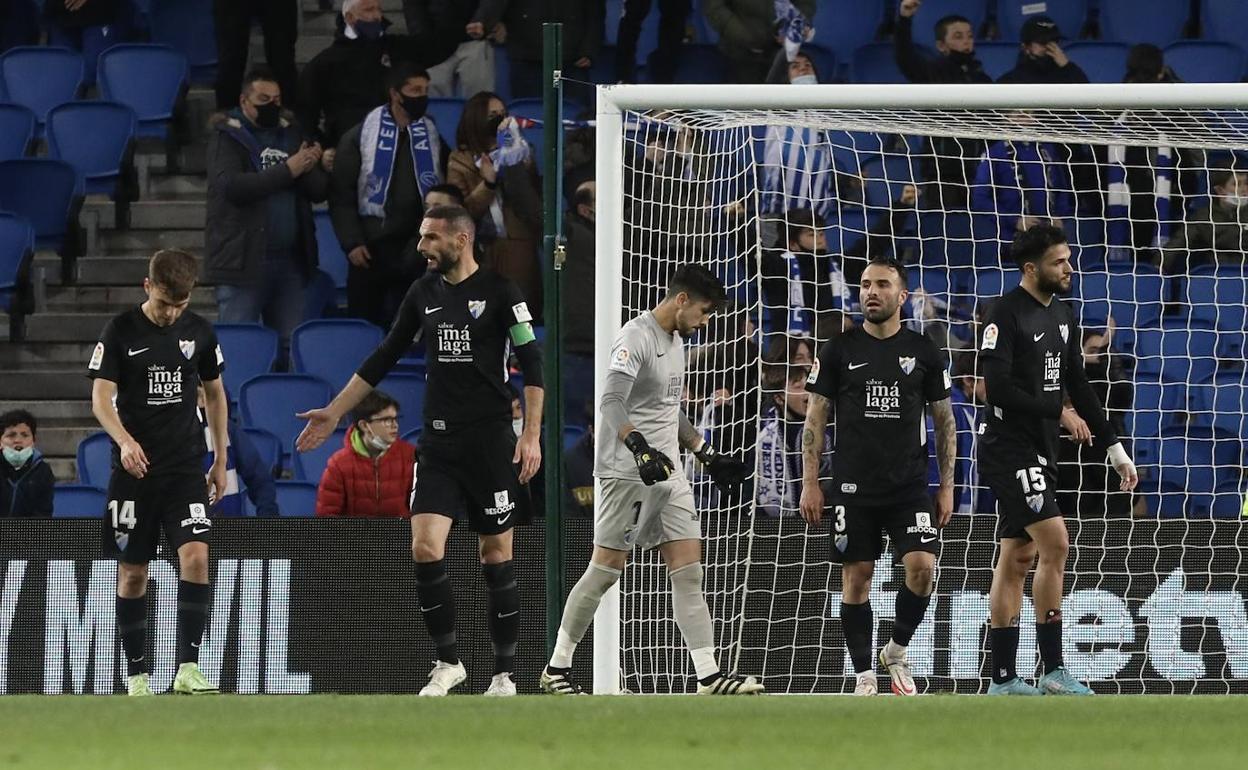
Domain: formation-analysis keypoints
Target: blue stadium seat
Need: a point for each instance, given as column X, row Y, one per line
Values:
column 149, row 79
column 412, row 436
column 320, row 296
column 409, row 391
column 268, row 446
column 997, row 58
column 826, row 62
column 1174, row 501
column 933, row 11
column 95, row 138
column 1152, row 410
column 248, row 350
column 1217, row 296
column 333, row 348
column 502, row 73
column 296, row 499
column 1197, row 459
column 648, row 37
column 270, row 401
column 990, row 282
column 95, row 460
column 1223, row 406
column 188, row 26
column 703, row 31
column 883, row 180
column 311, row 464
column 1175, row 355
column 844, row 25
column 41, row 77
column 445, row 114
column 17, row 249
column 48, row 192
column 571, row 435
column 875, row 63
column 1142, row 21
column 1206, row 61
column 78, row 501
column 331, row 256
column 705, row 64
column 1223, row 20
column 1228, row 500
column 1101, row 62
column 1070, row 16
column 17, row 130
column 1136, row 298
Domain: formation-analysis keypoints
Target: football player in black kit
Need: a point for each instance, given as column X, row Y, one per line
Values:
column 145, row 368
column 1032, row 357
column 880, row 378
column 470, row 461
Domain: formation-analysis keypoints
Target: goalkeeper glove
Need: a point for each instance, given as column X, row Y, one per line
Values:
column 653, row 465
column 727, row 472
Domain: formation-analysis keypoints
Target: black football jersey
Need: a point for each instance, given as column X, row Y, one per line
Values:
column 157, row 370
column 468, row 333
column 879, row 389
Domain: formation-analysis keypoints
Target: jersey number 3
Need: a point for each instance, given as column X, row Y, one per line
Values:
column 839, row 524
column 1032, row 479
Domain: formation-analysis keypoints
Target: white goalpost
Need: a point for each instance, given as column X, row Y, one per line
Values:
column 749, row 180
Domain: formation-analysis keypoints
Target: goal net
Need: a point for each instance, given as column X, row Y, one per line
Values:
column 785, row 192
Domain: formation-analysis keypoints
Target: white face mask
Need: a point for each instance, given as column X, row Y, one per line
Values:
column 1236, row 201
column 804, row 80
column 517, row 425
column 377, row 442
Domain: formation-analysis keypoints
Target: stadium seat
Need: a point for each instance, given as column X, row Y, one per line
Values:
column 188, row 26
column 1142, row 21
column 1173, row 501
column 845, row 25
column 826, row 62
column 1217, row 296
column 1223, row 20
column 308, row 466
column 296, row 499
column 17, row 130
column 1136, row 298
column 502, row 73
column 95, row 460
column 412, row 436
column 78, row 501
column 445, row 114
column 331, row 256
column 883, row 180
column 1228, row 500
column 96, row 139
column 997, row 58
column 705, row 64
column 1101, row 62
column 17, row 249
column 409, row 391
column 648, row 37
column 990, row 282
column 875, row 63
column 149, row 79
column 1155, row 407
column 1175, row 355
column 571, row 435
column 268, row 446
column 933, row 11
column 1206, row 61
column 1070, row 15
column 333, row 348
column 41, row 77
column 47, row 192
column 270, row 401
column 320, row 297
column 1197, row 459
column 248, row 350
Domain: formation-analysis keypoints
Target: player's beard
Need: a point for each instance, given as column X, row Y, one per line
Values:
column 445, row 262
column 1055, row 286
column 881, row 313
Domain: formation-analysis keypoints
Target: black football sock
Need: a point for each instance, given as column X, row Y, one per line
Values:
column 1004, row 653
column 132, row 628
column 437, row 604
column 909, row 612
column 504, row 609
column 193, row 602
column 857, row 622
column 1049, row 640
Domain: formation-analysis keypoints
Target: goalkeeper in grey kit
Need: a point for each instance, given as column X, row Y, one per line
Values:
column 645, row 501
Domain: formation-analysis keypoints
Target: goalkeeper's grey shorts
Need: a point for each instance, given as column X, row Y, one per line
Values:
column 632, row 514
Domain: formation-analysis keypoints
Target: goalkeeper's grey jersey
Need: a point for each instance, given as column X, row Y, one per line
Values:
column 654, row 361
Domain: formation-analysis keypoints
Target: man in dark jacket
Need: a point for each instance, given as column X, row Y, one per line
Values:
column 26, row 481
column 1041, row 59
column 279, row 21
column 259, row 236
column 384, row 167
column 476, row 27
column 954, row 159
column 582, row 41
column 345, row 81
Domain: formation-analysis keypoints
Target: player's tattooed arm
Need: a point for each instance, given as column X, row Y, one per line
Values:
column 946, row 457
column 689, row 436
column 812, row 437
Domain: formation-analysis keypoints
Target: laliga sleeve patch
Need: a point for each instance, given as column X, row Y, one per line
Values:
column 990, row 338
column 97, row 357
column 521, row 311
column 948, row 381
column 814, row 373
column 620, row 358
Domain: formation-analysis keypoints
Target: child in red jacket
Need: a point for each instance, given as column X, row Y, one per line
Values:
column 371, row 476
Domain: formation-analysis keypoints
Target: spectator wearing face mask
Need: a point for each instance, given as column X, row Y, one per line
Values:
column 260, row 237
column 1215, row 233
column 750, row 31
column 384, row 168
column 779, row 485
column 372, row 475
column 1041, row 59
column 26, row 481
column 349, row 79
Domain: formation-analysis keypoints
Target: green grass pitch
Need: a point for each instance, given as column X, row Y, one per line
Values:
column 683, row 733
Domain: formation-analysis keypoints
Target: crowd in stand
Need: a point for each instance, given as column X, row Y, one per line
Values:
column 352, row 131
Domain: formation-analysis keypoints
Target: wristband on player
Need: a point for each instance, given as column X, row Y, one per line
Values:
column 636, row 442
column 706, row 453
column 1118, row 456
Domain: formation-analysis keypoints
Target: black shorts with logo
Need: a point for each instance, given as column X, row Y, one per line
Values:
column 138, row 509
column 858, row 527
column 469, row 472
column 1025, row 486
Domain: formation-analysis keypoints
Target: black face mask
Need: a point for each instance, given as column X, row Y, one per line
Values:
column 370, row 30
column 268, row 115
column 494, row 122
column 415, row 106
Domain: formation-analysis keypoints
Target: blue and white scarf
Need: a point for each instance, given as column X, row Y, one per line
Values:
column 798, row 171
column 1118, row 208
column 379, row 137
